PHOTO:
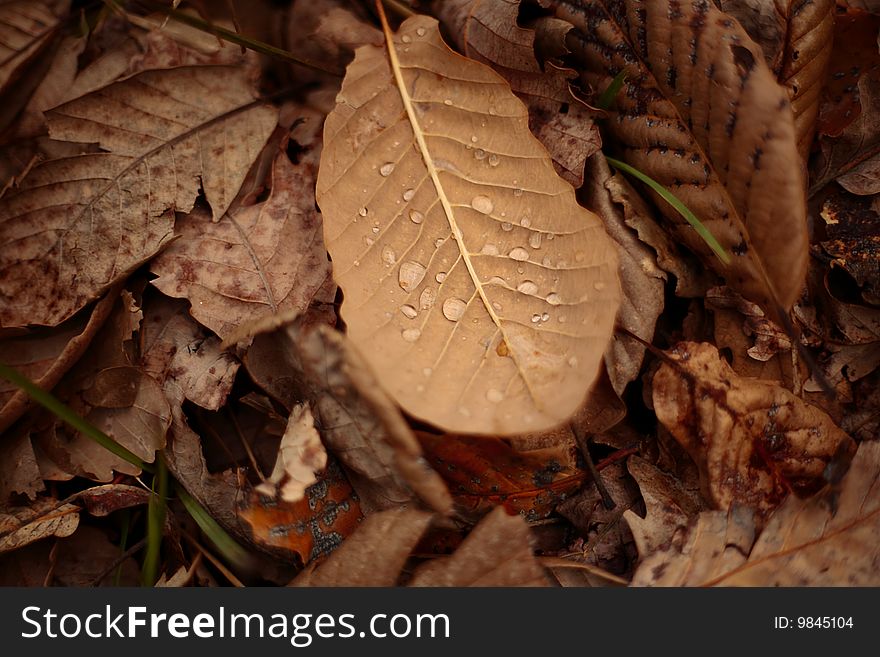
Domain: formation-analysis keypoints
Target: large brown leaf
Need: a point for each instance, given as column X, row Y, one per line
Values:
column 489, row 32
column 702, row 114
column 831, row 539
column 796, row 38
column 478, row 290
column 77, row 225
column 25, row 28
column 753, row 441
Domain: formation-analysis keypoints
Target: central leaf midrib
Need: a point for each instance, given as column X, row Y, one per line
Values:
column 447, row 206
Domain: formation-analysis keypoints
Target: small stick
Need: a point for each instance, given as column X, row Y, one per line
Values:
column 118, row 561
column 583, row 443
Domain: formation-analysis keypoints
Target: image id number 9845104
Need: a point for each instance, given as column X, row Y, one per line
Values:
column 813, row 623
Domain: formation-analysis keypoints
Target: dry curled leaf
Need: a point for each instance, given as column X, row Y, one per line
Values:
column 489, row 32
column 754, row 442
column 831, row 539
column 796, row 38
column 47, row 517
column 702, row 114
column 262, row 260
column 359, row 424
column 77, row 225
column 477, row 289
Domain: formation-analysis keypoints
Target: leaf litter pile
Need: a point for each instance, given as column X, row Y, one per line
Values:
column 450, row 293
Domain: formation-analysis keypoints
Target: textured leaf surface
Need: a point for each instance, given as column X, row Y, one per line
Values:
column 831, row 539
column 478, row 290
column 753, row 441
column 701, row 113
column 25, row 27
column 78, row 224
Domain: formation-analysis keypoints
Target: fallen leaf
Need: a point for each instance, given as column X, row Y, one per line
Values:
column 19, row 471
column 26, row 26
column 753, row 441
column 22, row 526
column 374, row 555
column 830, row 539
column 103, row 500
column 359, row 424
column 466, row 249
column 852, row 227
column 262, row 260
column 497, row 552
column 44, row 355
column 72, row 241
column 300, row 457
column 489, row 32
column 702, row 114
column 641, row 279
column 313, row 526
column 669, row 507
column 796, row 38
column 484, row 472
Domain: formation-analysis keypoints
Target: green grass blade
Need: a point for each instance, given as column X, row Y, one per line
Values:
column 65, row 413
column 227, row 546
column 155, row 524
column 604, row 101
column 680, row 207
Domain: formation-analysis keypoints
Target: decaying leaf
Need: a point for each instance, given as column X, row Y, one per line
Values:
column 19, row 471
column 753, row 441
column 477, row 289
column 77, row 225
column 830, row 539
column 488, row 32
column 796, row 38
column 262, row 260
column 359, row 424
column 496, row 553
column 22, row 526
column 300, row 457
column 702, row 114
column 45, row 355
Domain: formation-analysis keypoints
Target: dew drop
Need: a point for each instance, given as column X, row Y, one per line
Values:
column 416, row 217
column 463, row 411
column 525, row 222
column 573, row 361
column 489, row 249
column 493, row 160
column 420, row 31
column 362, row 212
column 580, row 256
column 506, row 226
column 408, row 194
column 551, row 237
column 480, row 154
column 502, row 349
column 447, row 102
column 546, row 261
column 473, row 139
column 496, row 306
column 554, row 299
column 440, row 277
column 598, row 285
column 527, row 287
column 406, row 38
column 410, row 275
column 561, row 319
column 535, row 240
column 494, row 395
column 482, row 204
column 368, row 241
column 517, row 192
column 438, row 242
column 453, row 309
column 389, row 257
column 497, row 280
column 411, row 334
column 408, row 311
column 545, row 317
column 375, row 230
column 519, row 254
column 520, row 270
column 427, row 298
column 536, row 318
column 386, row 169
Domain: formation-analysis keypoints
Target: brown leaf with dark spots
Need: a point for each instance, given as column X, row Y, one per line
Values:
column 702, row 114
column 372, row 556
column 21, row 526
column 852, row 228
column 489, row 32
column 103, row 500
column 796, row 38
column 830, row 539
column 262, row 260
column 754, row 442
column 497, row 552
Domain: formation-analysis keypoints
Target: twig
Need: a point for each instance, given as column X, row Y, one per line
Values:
column 118, row 561
column 583, row 443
